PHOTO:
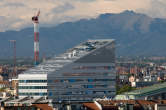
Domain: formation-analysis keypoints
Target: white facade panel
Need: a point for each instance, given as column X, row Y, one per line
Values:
column 32, row 90
column 32, row 76
column 36, row 27
column 32, row 84
column 35, row 97
column 36, row 46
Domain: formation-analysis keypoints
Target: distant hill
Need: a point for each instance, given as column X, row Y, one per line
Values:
column 135, row 34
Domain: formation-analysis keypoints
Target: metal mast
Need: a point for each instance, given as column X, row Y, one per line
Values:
column 14, row 57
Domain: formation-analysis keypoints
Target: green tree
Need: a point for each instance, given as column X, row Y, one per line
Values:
column 125, row 88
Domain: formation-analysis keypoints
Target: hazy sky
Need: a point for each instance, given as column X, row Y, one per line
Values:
column 16, row 14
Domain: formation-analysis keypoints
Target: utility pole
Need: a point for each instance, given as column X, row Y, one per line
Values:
column 14, row 57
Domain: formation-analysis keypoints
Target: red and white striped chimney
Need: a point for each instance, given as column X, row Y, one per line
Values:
column 36, row 38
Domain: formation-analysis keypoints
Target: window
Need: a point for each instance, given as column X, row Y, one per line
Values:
column 104, row 79
column 88, row 92
column 88, row 86
column 90, row 80
column 56, row 80
column 50, row 81
column 32, row 81
column 41, row 94
column 72, row 80
column 87, row 74
column 94, row 67
column 32, row 87
column 100, row 86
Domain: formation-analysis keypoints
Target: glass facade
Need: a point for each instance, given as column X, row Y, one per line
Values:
column 82, row 73
column 32, row 81
column 93, row 67
column 33, row 94
column 32, row 87
column 86, row 78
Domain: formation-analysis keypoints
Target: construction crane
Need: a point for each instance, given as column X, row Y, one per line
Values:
column 35, row 20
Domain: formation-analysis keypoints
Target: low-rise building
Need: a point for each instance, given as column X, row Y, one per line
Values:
column 156, row 91
column 126, row 105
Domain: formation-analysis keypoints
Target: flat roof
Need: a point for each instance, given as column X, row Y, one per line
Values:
column 146, row 91
column 25, row 100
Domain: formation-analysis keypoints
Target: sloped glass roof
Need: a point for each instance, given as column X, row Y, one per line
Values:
column 57, row 62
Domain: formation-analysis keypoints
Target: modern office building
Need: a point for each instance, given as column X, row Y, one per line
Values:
column 82, row 73
column 32, row 84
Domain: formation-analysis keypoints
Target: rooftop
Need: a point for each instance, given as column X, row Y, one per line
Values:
column 146, row 91
column 24, row 101
column 68, row 57
column 115, row 104
column 28, row 102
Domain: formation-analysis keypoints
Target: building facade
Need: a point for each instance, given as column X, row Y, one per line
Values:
column 32, row 85
column 82, row 73
column 91, row 73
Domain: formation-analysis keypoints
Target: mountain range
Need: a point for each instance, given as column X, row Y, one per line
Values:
column 135, row 34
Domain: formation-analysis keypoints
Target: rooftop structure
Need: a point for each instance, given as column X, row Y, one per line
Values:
column 126, row 105
column 25, row 103
column 89, row 66
column 43, row 104
column 144, row 93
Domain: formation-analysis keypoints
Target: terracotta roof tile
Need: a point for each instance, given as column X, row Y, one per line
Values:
column 91, row 106
column 113, row 104
column 43, row 106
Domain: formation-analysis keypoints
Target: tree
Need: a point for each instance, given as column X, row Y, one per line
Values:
column 125, row 88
